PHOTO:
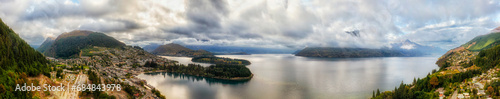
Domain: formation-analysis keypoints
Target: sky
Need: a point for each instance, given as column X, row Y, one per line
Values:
column 293, row 24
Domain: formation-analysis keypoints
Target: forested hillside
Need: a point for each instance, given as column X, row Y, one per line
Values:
column 479, row 58
column 68, row 45
column 17, row 61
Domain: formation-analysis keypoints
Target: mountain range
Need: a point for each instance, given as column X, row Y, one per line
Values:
column 335, row 52
column 413, row 48
column 217, row 49
column 405, row 49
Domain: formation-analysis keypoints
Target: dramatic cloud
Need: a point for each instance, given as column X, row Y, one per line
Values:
column 259, row 23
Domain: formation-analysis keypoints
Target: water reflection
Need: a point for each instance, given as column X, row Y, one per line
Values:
column 210, row 81
column 185, row 60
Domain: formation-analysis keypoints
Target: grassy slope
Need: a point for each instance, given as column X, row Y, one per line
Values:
column 483, row 42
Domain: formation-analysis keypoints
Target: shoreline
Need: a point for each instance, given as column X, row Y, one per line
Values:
column 220, row 78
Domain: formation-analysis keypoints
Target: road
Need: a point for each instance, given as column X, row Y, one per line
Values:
column 454, row 96
column 80, row 79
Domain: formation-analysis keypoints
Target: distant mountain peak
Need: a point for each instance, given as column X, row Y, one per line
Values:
column 407, row 40
column 409, row 46
column 353, row 33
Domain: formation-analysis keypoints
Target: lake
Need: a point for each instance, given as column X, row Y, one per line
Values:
column 185, row 60
column 284, row 76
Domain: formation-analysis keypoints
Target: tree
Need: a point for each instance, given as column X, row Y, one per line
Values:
column 373, row 94
column 2, row 88
column 414, row 80
column 378, row 92
column 474, row 92
column 490, row 90
column 434, row 81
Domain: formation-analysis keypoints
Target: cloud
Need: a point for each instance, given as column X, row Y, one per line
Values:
column 110, row 25
column 261, row 23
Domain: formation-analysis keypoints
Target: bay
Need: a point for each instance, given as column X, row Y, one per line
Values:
column 284, row 76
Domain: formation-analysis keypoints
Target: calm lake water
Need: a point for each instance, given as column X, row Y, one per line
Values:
column 185, row 60
column 284, row 76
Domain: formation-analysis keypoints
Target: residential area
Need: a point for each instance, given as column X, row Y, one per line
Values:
column 114, row 66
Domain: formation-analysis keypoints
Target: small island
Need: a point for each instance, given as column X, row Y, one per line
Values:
column 225, row 68
column 219, row 71
column 220, row 60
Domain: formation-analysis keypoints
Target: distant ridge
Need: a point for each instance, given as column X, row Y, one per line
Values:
column 333, row 52
column 179, row 50
column 416, row 49
column 46, row 44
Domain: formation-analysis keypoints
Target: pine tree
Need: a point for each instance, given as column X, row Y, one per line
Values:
column 378, row 92
column 414, row 80
column 373, row 94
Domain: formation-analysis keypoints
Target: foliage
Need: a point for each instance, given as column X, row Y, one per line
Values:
column 59, row 73
column 423, row 88
column 151, row 64
column 214, row 71
column 157, row 93
column 17, row 61
column 131, row 90
column 94, row 78
column 488, row 58
column 434, row 81
column 137, row 47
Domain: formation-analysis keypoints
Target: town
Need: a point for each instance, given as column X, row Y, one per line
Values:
column 114, row 66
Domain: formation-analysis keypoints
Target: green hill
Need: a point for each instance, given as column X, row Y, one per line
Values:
column 483, row 42
column 68, row 45
column 17, row 61
column 473, row 46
